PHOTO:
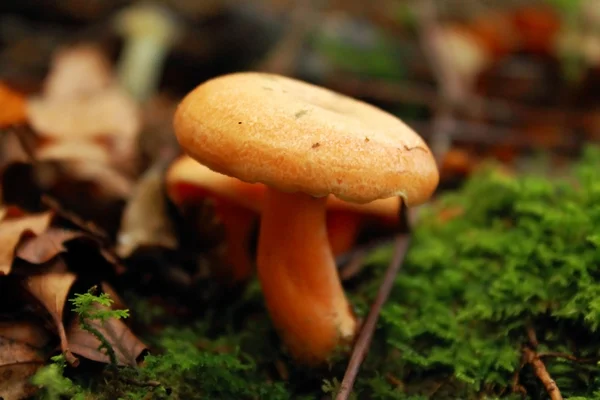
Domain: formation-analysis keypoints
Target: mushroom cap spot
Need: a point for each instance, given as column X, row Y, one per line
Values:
column 275, row 147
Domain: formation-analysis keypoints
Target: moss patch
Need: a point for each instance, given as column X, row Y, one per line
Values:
column 492, row 265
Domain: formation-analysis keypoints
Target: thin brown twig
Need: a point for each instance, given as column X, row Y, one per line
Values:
column 361, row 347
column 532, row 358
column 570, row 357
column 532, row 337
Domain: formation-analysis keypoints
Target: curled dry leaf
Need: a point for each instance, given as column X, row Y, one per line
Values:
column 126, row 345
column 145, row 221
column 20, row 357
column 13, row 109
column 51, row 290
column 14, row 228
column 46, row 246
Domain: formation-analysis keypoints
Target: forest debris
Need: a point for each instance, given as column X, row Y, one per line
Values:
column 46, row 246
column 20, row 357
column 13, row 110
column 127, row 347
column 14, row 229
column 51, row 290
column 145, row 221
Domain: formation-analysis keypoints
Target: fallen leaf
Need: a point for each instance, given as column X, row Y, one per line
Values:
column 13, row 110
column 28, row 332
column 13, row 230
column 51, row 290
column 145, row 221
column 46, row 246
column 126, row 345
column 20, row 357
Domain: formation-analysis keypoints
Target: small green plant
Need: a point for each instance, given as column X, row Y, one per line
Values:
column 91, row 307
column 53, row 384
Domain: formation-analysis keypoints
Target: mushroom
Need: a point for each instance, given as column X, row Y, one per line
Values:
column 304, row 143
column 149, row 30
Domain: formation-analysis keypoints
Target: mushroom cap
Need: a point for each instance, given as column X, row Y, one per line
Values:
column 297, row 137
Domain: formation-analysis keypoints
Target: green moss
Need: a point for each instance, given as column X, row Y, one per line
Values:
column 523, row 254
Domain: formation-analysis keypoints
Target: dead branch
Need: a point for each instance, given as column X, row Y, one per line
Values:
column 532, row 358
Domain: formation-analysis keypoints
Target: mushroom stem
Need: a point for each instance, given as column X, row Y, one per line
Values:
column 296, row 268
column 342, row 227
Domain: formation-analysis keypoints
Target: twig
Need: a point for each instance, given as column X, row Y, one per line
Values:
column 570, row 357
column 353, row 266
column 361, row 347
column 539, row 369
column 532, row 337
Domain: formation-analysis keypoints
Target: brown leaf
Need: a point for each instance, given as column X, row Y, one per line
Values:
column 126, row 345
column 12, row 231
column 51, row 290
column 20, row 357
column 44, row 247
column 145, row 221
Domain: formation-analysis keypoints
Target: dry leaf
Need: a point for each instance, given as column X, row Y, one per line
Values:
column 12, row 231
column 20, row 357
column 126, row 345
column 46, row 246
column 13, row 109
column 145, row 220
column 51, row 290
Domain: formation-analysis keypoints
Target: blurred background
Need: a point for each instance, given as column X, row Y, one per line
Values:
column 502, row 80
